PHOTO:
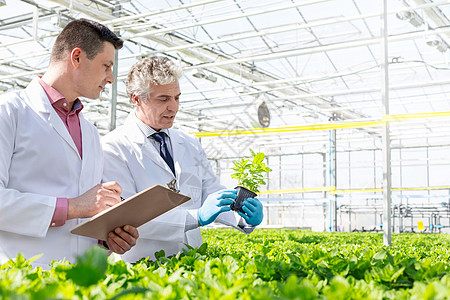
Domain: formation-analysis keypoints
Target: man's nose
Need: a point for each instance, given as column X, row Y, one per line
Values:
column 172, row 105
column 110, row 76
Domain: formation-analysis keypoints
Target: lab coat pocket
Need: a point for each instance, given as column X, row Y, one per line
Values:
column 191, row 175
column 196, row 195
column 191, row 185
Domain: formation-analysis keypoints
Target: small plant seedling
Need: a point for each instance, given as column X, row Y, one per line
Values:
column 250, row 175
column 250, row 172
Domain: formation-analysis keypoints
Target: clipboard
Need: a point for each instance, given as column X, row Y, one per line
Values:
column 136, row 210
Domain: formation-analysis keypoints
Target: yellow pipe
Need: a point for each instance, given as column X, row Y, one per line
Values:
column 403, row 117
column 333, row 190
column 290, row 129
column 317, row 189
column 362, row 124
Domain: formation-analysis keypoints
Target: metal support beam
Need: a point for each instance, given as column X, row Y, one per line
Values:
column 333, row 180
column 386, row 147
column 113, row 102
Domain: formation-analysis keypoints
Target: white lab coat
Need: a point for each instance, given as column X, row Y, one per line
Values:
column 38, row 163
column 134, row 162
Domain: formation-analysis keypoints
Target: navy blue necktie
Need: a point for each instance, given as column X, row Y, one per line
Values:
column 164, row 150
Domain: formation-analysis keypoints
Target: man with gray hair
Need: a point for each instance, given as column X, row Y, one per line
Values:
column 146, row 151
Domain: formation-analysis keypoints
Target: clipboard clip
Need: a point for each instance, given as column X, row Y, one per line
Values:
column 171, row 186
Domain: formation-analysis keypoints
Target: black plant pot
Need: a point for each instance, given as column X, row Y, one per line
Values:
column 242, row 194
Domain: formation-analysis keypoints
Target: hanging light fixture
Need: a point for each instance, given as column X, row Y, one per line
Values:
column 437, row 42
column 263, row 115
column 412, row 17
column 199, row 73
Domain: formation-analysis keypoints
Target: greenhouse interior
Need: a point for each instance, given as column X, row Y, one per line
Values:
column 300, row 81
column 346, row 99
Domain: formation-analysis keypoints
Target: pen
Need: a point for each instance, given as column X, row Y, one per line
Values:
column 122, row 198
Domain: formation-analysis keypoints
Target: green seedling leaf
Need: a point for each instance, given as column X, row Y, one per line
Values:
column 159, row 254
column 203, row 248
column 249, row 173
column 134, row 290
column 90, row 267
column 258, row 158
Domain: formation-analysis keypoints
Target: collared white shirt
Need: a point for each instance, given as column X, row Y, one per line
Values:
column 148, row 131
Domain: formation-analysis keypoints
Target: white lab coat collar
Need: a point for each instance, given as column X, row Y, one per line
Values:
column 41, row 104
column 136, row 135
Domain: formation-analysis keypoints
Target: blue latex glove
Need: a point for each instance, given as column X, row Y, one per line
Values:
column 215, row 204
column 253, row 211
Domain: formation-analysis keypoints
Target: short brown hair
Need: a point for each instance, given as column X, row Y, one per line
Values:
column 85, row 34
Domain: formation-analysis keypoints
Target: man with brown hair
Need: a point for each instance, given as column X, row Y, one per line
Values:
column 51, row 160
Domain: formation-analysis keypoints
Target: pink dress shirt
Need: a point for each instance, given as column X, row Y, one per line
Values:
column 69, row 116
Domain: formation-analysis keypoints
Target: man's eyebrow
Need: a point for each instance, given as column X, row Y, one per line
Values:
column 162, row 95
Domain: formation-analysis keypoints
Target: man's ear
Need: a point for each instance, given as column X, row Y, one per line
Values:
column 136, row 100
column 75, row 57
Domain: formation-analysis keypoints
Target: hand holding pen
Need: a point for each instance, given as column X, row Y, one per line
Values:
column 95, row 200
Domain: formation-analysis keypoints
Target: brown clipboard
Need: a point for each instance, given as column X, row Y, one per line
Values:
column 136, row 210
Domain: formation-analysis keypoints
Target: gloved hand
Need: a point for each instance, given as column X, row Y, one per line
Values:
column 215, row 204
column 253, row 211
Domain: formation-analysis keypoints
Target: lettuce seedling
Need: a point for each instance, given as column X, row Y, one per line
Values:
column 250, row 176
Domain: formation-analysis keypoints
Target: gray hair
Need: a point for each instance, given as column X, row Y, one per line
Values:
column 151, row 70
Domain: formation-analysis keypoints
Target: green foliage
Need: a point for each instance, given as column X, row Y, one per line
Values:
column 90, row 268
column 267, row 264
column 250, row 173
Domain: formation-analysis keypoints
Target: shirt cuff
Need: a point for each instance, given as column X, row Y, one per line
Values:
column 191, row 219
column 60, row 214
